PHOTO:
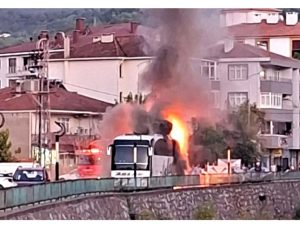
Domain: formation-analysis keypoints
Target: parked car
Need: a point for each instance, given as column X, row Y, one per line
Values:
column 30, row 176
column 73, row 175
column 6, row 181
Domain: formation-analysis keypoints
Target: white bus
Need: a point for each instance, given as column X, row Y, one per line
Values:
column 142, row 156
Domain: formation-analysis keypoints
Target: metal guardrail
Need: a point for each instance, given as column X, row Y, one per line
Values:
column 19, row 196
column 214, row 179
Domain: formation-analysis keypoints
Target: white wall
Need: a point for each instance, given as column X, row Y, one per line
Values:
column 281, row 46
column 251, row 86
column 100, row 79
column 250, row 41
column 56, row 70
column 234, row 18
column 96, row 79
column 132, row 72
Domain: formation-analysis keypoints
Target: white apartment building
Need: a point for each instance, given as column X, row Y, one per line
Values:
column 269, row 80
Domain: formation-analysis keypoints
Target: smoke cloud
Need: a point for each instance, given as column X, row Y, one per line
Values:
column 180, row 40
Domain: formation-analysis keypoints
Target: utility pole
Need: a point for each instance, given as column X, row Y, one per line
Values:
column 40, row 57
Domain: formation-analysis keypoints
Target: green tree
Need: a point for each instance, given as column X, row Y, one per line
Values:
column 5, row 145
column 246, row 121
column 238, row 130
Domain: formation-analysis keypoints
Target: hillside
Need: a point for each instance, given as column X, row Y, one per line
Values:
column 22, row 24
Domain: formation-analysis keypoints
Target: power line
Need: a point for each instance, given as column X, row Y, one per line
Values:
column 89, row 89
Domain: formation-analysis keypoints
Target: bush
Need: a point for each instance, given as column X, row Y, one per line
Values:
column 205, row 212
column 297, row 213
column 146, row 215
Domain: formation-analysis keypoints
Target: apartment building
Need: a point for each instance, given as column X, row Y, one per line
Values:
column 235, row 16
column 271, row 33
column 269, row 80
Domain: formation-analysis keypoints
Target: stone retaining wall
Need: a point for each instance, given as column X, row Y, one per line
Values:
column 248, row 201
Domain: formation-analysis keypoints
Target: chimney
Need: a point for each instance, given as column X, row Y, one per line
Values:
column 272, row 19
column 80, row 24
column 76, row 34
column 43, row 34
column 291, row 18
column 228, row 45
column 133, row 27
column 59, row 39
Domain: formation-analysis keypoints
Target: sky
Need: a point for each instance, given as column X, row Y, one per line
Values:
column 149, row 4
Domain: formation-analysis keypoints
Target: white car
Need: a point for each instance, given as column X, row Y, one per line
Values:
column 6, row 181
column 73, row 175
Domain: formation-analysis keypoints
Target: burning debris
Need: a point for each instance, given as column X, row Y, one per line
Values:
column 177, row 92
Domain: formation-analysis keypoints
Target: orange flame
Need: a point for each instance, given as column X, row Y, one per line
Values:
column 180, row 133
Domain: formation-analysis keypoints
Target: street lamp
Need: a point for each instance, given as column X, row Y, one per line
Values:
column 229, row 160
column 134, row 162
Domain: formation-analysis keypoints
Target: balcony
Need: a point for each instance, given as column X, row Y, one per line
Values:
column 276, row 85
column 274, row 141
column 14, row 72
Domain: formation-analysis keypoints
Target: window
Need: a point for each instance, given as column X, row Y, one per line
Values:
column 12, row 83
column 65, row 121
column 277, row 75
column 236, row 99
column 264, row 44
column 270, row 100
column 12, row 65
column 237, row 71
column 208, row 69
column 272, row 75
column 28, row 62
column 296, row 49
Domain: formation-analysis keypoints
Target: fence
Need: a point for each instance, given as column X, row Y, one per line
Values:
column 18, row 196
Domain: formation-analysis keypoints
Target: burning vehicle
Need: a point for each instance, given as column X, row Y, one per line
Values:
column 146, row 155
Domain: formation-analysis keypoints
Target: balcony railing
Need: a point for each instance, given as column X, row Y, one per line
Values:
column 20, row 71
column 274, row 141
column 275, row 78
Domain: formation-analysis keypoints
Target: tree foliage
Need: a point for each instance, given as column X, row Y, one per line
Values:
column 25, row 23
column 238, row 131
column 5, row 145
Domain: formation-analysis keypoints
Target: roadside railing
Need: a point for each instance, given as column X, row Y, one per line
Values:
column 55, row 191
column 20, row 196
column 214, row 179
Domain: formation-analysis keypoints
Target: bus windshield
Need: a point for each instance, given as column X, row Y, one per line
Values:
column 123, row 157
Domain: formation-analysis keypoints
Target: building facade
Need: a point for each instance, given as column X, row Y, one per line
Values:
column 270, row 81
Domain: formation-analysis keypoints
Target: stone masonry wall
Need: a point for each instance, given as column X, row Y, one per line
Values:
column 277, row 201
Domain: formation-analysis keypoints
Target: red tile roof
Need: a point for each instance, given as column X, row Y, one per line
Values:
column 128, row 42
column 23, row 47
column 60, row 99
column 126, row 46
column 264, row 29
column 248, row 51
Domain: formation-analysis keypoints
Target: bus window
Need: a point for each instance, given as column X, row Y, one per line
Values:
column 142, row 157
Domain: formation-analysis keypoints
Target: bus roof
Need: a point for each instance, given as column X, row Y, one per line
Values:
column 139, row 137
